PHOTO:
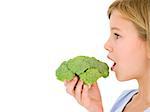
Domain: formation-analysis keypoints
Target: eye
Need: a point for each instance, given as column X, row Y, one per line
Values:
column 117, row 36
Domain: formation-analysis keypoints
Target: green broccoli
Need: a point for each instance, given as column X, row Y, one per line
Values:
column 88, row 69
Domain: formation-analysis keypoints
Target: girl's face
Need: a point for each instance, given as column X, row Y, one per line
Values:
column 126, row 49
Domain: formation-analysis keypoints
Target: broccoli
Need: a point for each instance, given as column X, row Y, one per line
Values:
column 88, row 69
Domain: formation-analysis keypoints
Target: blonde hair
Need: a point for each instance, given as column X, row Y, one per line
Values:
column 137, row 11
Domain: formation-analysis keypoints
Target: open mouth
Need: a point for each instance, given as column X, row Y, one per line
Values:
column 113, row 66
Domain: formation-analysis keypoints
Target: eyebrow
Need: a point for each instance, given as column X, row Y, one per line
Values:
column 115, row 28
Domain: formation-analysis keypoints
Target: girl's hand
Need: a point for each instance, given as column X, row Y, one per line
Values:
column 88, row 96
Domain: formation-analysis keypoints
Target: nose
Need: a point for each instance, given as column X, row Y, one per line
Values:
column 108, row 45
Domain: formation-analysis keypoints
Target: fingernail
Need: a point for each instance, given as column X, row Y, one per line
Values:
column 85, row 87
column 89, row 86
column 75, row 78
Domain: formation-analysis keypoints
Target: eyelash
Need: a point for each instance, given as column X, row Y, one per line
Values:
column 117, row 36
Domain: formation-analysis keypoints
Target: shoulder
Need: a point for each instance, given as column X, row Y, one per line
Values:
column 123, row 99
column 126, row 93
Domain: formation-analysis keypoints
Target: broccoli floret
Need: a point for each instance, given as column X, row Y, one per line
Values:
column 63, row 73
column 78, row 64
column 90, row 76
column 88, row 69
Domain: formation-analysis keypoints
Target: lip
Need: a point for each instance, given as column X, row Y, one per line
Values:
column 114, row 63
column 110, row 58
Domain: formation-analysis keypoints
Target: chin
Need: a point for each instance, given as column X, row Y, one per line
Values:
column 121, row 78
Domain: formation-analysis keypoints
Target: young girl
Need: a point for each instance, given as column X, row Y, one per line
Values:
column 129, row 49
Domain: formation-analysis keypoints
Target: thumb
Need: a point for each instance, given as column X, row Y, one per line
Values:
column 94, row 86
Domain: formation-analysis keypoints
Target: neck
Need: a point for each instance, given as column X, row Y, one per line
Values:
column 144, row 89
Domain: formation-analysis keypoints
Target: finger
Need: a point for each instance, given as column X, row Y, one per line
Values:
column 78, row 90
column 85, row 91
column 84, row 95
column 71, row 85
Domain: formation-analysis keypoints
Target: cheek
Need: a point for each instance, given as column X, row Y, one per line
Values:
column 132, row 52
column 131, row 63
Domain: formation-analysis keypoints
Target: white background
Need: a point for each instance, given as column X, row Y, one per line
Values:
column 35, row 37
